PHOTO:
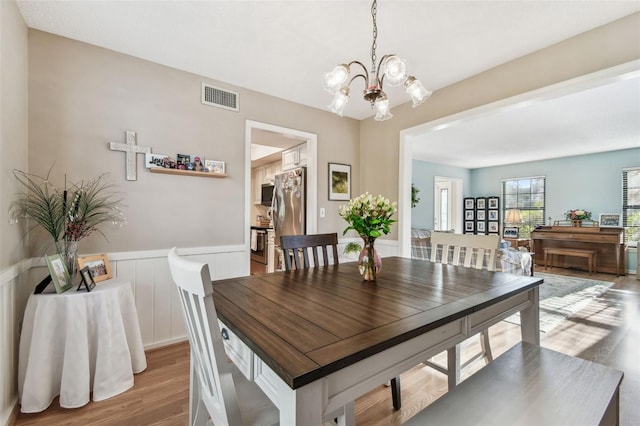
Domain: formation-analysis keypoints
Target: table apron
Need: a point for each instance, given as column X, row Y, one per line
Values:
column 348, row 384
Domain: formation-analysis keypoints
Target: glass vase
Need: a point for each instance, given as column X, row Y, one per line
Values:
column 69, row 254
column 369, row 263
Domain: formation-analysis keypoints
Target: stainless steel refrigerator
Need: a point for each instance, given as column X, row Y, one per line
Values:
column 289, row 203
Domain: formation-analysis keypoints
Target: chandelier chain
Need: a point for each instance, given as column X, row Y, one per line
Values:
column 374, row 10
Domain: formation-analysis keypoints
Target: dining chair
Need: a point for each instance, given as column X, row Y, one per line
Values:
column 470, row 251
column 218, row 390
column 296, row 250
column 297, row 247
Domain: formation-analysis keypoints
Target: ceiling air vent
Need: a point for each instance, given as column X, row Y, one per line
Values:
column 220, row 98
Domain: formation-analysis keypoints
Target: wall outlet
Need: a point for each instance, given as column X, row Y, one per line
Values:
column 322, row 212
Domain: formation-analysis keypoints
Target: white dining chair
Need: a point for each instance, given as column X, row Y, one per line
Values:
column 219, row 392
column 470, row 251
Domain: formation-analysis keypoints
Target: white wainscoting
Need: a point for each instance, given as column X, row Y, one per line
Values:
column 10, row 316
column 157, row 303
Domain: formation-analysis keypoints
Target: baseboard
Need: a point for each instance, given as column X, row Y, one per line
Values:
column 12, row 418
column 165, row 343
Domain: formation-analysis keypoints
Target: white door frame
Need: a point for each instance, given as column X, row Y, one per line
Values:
column 312, row 178
column 455, row 187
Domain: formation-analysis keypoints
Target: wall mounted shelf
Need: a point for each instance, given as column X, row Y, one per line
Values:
column 186, row 172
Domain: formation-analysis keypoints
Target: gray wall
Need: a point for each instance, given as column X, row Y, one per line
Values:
column 13, row 125
column 81, row 97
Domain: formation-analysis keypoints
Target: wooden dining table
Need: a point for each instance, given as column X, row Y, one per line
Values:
column 319, row 338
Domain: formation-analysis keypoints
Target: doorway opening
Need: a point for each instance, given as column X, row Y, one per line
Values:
column 279, row 138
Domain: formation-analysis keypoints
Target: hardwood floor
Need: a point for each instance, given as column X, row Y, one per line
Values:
column 606, row 331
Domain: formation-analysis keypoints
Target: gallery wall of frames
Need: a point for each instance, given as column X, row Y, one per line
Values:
column 482, row 215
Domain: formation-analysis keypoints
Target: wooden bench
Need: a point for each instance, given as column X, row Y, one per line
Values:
column 530, row 385
column 591, row 255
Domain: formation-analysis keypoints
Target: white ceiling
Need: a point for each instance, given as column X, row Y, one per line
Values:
column 282, row 48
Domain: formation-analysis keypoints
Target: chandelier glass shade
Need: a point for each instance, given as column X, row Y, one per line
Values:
column 391, row 70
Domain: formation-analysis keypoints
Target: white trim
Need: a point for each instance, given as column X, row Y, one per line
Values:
column 599, row 78
column 13, row 271
column 312, row 175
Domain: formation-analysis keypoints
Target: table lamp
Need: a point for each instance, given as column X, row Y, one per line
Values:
column 513, row 216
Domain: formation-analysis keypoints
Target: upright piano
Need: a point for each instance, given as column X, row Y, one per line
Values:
column 608, row 242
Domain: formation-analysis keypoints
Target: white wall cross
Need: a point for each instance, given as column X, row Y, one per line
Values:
column 131, row 150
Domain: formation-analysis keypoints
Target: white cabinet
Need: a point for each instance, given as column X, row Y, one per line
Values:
column 294, row 157
column 257, row 178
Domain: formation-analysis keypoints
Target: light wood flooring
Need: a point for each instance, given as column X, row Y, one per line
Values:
column 606, row 331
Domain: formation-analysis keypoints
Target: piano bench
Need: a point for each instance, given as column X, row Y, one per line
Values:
column 591, row 255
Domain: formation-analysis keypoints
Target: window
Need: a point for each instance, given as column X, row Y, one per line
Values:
column 631, row 205
column 527, row 195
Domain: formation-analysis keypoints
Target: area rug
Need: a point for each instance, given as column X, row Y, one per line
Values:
column 561, row 296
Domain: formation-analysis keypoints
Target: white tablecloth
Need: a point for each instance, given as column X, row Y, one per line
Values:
column 76, row 343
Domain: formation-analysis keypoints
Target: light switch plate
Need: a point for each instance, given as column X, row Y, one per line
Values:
column 322, row 212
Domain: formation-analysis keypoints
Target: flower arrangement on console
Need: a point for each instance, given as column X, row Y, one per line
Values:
column 578, row 214
column 370, row 217
column 67, row 215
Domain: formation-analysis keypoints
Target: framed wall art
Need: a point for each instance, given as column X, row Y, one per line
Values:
column 481, row 203
column 339, row 182
column 98, row 266
column 59, row 273
column 493, row 227
column 610, row 220
column 469, row 203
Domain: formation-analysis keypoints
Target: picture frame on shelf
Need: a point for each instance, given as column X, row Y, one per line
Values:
column 98, row 266
column 87, row 279
column 154, row 160
column 215, row 166
column 469, row 215
column 59, row 273
column 609, row 220
column 339, row 182
column 510, row 232
column 469, row 203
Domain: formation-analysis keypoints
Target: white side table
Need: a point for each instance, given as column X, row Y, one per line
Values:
column 79, row 342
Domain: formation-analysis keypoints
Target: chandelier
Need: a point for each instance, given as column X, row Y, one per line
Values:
column 391, row 70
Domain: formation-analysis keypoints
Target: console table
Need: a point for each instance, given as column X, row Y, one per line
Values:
column 79, row 343
column 607, row 242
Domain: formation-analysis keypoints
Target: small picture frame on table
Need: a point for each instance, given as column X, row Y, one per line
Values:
column 59, row 273
column 609, row 220
column 339, row 182
column 87, row 279
column 510, row 233
column 98, row 266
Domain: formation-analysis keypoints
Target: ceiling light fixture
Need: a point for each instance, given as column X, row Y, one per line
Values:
column 393, row 71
